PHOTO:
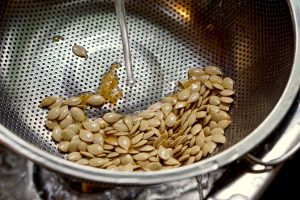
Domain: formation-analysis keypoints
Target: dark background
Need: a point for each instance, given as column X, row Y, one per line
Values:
column 285, row 185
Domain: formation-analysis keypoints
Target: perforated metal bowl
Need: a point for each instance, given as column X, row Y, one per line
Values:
column 254, row 42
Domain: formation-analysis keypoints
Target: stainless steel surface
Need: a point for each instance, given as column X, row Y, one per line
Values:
column 254, row 42
column 121, row 14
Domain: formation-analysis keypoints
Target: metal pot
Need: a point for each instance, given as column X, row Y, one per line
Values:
column 255, row 42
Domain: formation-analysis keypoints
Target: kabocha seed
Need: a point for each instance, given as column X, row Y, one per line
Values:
column 183, row 128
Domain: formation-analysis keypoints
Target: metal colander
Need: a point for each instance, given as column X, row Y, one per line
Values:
column 254, row 42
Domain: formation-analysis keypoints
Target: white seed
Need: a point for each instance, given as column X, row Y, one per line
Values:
column 184, row 94
column 153, row 122
column 180, row 104
column 50, row 124
column 201, row 114
column 147, row 114
column 224, row 106
column 193, row 97
column 66, row 122
column 213, row 108
column 163, row 153
column 95, row 100
column 190, row 160
column 95, row 149
column 219, row 138
column 144, row 125
column 86, row 135
column 184, row 116
column 206, row 131
column 73, row 147
column 111, row 117
column 127, row 168
column 112, row 154
column 141, row 156
column 96, row 162
column 74, row 156
column 159, row 115
column 195, row 71
column 214, row 100
column 126, row 158
column 216, row 79
column 82, row 161
column 172, row 161
column 212, row 70
column 87, row 154
column 137, row 138
column 198, row 156
column 64, row 111
column 195, row 150
column 211, row 146
column 171, row 100
column 112, row 140
column 214, row 115
column 67, row 134
column 79, row 51
column 136, row 119
column 120, row 126
column 103, row 124
column 177, row 149
column 223, row 124
column 227, row 93
column 228, row 83
column 63, row 146
column 47, row 101
column 149, row 134
column 75, row 127
column 73, row 101
column 108, row 147
column 200, row 140
column 218, row 86
column 203, row 77
column 208, row 84
column 146, row 148
column 140, row 143
column 191, row 119
column 155, row 107
column 56, row 134
column 187, row 151
column 77, row 114
column 57, row 103
column 128, row 121
column 223, row 116
column 212, row 125
column 170, row 120
column 82, row 146
column 124, row 142
column 154, row 166
column 183, row 157
column 184, row 83
column 226, row 99
column 195, row 87
column 98, row 139
column 217, row 131
column 196, row 129
column 91, row 126
column 53, row 113
column 166, row 108
column 134, row 128
column 76, row 137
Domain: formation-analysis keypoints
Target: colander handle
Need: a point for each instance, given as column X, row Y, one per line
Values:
column 275, row 161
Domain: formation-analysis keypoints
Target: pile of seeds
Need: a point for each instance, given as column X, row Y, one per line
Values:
column 179, row 130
